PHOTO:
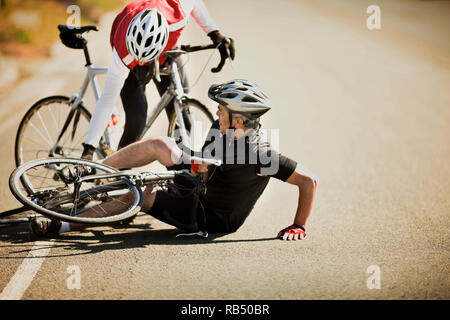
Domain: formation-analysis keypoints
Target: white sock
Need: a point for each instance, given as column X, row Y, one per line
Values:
column 65, row 227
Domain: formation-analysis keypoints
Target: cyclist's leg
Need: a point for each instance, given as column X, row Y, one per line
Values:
column 145, row 151
column 172, row 209
column 176, row 211
column 135, row 106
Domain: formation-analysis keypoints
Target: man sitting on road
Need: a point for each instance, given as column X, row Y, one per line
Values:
column 248, row 162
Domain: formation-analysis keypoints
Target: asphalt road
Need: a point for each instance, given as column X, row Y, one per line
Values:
column 366, row 110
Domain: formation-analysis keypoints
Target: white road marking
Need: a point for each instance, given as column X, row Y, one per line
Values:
column 27, row 271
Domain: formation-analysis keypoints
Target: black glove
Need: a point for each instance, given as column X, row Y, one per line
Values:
column 88, row 152
column 144, row 73
column 225, row 46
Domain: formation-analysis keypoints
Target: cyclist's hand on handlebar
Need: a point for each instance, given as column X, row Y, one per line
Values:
column 198, row 167
column 293, row 232
column 225, row 46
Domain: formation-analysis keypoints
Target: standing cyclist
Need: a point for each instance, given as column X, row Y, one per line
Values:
column 140, row 35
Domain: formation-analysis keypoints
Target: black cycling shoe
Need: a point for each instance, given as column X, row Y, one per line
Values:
column 71, row 173
column 43, row 227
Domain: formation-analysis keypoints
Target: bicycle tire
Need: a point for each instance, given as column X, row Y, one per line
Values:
column 31, row 200
column 27, row 121
column 186, row 105
column 35, row 108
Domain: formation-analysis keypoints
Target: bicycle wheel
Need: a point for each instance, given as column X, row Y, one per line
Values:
column 200, row 119
column 43, row 123
column 97, row 201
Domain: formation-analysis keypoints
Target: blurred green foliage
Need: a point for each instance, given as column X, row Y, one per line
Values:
column 40, row 32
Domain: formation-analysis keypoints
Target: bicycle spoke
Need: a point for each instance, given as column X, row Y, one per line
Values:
column 29, row 139
column 54, row 119
column 45, row 127
column 40, row 134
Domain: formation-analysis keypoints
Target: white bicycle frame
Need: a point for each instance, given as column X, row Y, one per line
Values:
column 76, row 99
column 175, row 91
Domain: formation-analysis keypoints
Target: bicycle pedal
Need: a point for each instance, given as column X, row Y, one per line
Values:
column 202, row 234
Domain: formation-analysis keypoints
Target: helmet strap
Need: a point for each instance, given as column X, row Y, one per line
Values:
column 231, row 121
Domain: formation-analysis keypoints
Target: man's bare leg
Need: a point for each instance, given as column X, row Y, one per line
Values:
column 143, row 152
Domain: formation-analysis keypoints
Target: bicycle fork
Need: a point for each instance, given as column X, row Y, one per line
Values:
column 178, row 87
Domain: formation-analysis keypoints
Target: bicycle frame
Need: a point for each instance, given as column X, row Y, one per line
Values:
column 175, row 91
column 76, row 99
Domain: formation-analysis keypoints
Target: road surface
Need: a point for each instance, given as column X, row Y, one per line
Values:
column 366, row 110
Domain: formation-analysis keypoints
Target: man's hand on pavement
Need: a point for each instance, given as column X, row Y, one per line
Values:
column 293, row 232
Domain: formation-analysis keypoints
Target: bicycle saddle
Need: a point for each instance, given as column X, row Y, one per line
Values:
column 71, row 36
column 75, row 30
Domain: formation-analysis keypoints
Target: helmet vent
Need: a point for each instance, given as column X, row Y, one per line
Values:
column 139, row 39
column 229, row 95
column 144, row 14
column 249, row 99
column 149, row 41
column 159, row 20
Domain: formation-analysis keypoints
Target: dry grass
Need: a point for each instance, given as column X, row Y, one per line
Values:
column 29, row 27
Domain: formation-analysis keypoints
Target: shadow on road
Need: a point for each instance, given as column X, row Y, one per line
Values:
column 91, row 241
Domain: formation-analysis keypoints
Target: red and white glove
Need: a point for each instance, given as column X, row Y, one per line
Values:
column 293, row 232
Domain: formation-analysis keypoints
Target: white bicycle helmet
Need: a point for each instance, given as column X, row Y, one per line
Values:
column 147, row 35
column 242, row 97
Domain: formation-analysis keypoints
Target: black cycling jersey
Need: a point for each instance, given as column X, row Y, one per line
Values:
column 236, row 185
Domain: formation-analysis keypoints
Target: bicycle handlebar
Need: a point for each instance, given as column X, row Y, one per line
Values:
column 189, row 48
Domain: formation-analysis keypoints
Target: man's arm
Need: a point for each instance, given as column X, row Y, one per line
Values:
column 290, row 171
column 201, row 15
column 307, row 185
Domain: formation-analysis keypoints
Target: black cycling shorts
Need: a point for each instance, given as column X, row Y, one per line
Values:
column 174, row 209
